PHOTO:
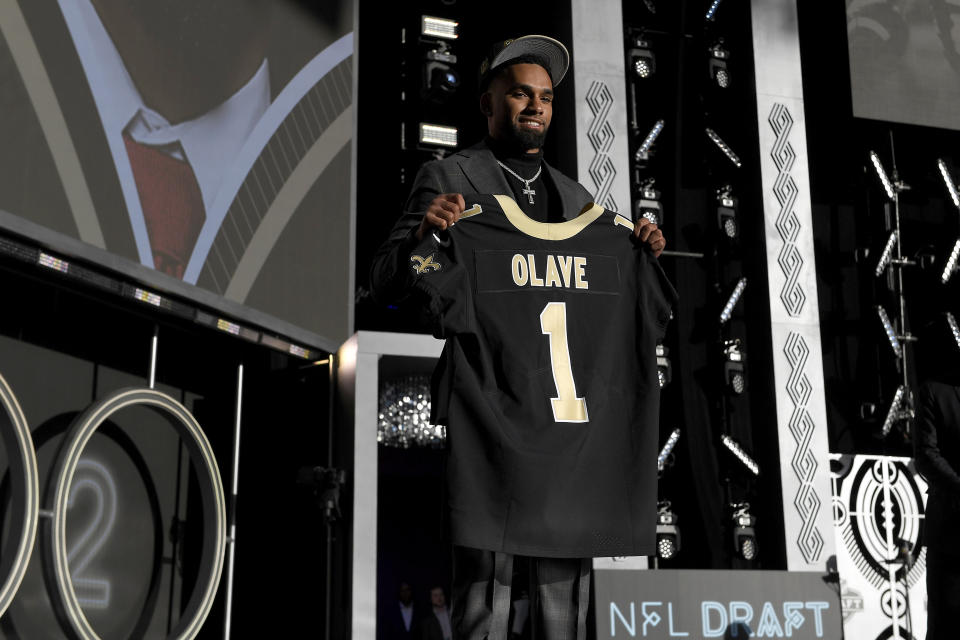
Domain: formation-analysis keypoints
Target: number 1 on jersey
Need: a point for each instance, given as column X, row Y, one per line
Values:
column 567, row 407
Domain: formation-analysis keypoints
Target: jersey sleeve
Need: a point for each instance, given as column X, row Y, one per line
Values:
column 441, row 275
column 657, row 296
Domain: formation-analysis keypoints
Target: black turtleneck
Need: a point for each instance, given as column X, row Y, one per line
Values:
column 546, row 205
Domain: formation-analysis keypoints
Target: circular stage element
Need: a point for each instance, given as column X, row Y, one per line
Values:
column 24, row 494
column 212, row 499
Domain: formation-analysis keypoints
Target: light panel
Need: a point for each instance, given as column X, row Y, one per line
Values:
column 439, row 135
column 893, row 414
column 954, row 329
column 434, row 27
column 667, row 449
column 732, row 301
column 948, row 181
column 887, row 254
column 740, row 454
column 882, row 174
column 891, row 334
column 644, row 151
column 724, row 147
column 951, row 265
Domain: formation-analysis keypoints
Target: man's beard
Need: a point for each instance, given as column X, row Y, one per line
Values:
column 528, row 139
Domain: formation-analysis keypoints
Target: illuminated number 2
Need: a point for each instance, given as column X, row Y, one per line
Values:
column 567, row 407
column 96, row 479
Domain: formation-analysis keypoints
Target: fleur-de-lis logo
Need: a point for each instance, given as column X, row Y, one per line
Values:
column 424, row 264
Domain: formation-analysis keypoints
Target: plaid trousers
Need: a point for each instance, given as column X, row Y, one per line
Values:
column 559, row 590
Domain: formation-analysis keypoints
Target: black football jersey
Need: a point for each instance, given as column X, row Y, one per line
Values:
column 548, row 382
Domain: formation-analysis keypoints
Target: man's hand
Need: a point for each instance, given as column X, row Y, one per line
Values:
column 443, row 212
column 649, row 233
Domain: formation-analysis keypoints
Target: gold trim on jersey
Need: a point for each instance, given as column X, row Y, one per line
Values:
column 622, row 221
column 547, row 230
column 475, row 210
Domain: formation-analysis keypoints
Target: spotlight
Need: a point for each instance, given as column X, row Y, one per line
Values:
column 667, row 450
column 724, row 147
column 434, row 27
column 951, row 266
column 887, row 254
column 712, row 11
column 882, row 174
column 948, row 181
column 734, row 374
column 668, row 533
column 727, row 212
column 438, row 135
column 894, row 413
column 732, row 301
column 954, row 329
column 440, row 78
column 648, row 205
column 740, row 454
column 891, row 333
column 642, row 60
column 664, row 369
column 744, row 535
column 643, row 151
column 718, row 65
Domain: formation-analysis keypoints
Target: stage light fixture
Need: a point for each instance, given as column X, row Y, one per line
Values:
column 951, row 265
column 712, row 11
column 433, row 27
column 954, row 328
column 664, row 368
column 440, row 78
column 667, row 450
column 642, row 61
column 438, row 135
column 744, row 534
column 668, row 533
column 643, row 151
column 740, row 454
column 727, row 212
column 887, row 254
column 719, row 72
column 724, row 147
column 948, row 181
column 894, row 413
column 882, row 174
column 648, row 205
column 732, row 301
column 890, row 331
column 734, row 361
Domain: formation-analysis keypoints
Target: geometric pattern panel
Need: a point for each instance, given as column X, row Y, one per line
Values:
column 787, row 222
column 804, row 461
column 601, row 135
column 878, row 514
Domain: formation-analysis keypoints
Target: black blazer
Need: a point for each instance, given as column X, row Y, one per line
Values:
column 938, row 459
column 431, row 627
column 472, row 170
column 390, row 623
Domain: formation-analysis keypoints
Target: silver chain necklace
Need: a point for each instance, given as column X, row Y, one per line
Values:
column 527, row 191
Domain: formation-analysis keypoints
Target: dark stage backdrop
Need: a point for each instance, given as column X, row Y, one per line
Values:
column 204, row 148
column 905, row 61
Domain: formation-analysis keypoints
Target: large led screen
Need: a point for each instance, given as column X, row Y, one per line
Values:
column 206, row 143
column 905, row 60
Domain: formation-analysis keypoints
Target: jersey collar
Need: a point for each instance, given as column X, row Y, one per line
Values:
column 547, row 230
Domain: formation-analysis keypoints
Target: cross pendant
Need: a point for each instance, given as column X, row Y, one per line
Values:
column 530, row 193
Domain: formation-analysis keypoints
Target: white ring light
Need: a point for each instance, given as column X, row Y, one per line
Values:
column 212, row 498
column 23, row 464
